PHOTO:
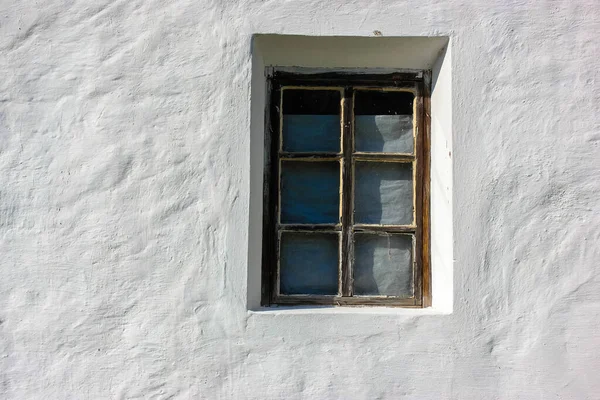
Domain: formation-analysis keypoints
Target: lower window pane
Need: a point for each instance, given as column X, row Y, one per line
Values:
column 309, row 263
column 383, row 265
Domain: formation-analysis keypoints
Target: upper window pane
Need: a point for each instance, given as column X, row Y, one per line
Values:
column 311, row 120
column 383, row 121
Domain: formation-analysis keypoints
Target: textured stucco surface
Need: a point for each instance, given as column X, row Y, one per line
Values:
column 124, row 187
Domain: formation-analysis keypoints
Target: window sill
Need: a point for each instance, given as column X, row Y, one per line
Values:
column 323, row 310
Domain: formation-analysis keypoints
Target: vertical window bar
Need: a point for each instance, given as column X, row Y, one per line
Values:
column 418, row 167
column 347, row 242
column 425, row 93
column 271, row 195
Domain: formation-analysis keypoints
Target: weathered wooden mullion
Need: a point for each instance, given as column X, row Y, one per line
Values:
column 347, row 141
column 270, row 195
column 425, row 196
column 332, row 85
column 309, row 157
column 419, row 170
column 396, row 79
column 384, row 157
column 310, row 227
column 384, row 228
column 289, row 154
column 387, row 301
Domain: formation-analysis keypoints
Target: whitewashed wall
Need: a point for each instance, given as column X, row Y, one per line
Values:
column 125, row 215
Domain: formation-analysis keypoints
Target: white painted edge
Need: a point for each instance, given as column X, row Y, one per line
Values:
column 442, row 261
column 329, row 310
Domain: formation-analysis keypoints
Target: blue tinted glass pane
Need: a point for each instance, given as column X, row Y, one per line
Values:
column 383, row 193
column 309, row 263
column 311, row 120
column 310, row 192
column 311, row 133
column 384, row 133
column 383, row 265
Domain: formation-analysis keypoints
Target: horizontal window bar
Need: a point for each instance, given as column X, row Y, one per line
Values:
column 358, row 85
column 318, row 87
column 284, row 155
column 348, row 301
column 341, row 78
column 384, row 228
column 391, row 157
column 309, row 227
column 405, row 87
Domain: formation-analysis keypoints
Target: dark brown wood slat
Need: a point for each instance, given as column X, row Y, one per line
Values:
column 310, row 227
column 270, row 194
column 426, row 196
column 393, row 80
column 309, row 156
column 384, row 228
column 347, row 242
column 334, row 84
column 348, row 301
column 418, row 165
column 384, row 157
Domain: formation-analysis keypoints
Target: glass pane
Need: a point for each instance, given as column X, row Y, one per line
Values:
column 310, row 192
column 309, row 263
column 311, row 133
column 383, row 193
column 311, row 121
column 383, row 122
column 383, row 265
column 384, row 133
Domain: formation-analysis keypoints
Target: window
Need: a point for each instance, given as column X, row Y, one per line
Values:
column 346, row 196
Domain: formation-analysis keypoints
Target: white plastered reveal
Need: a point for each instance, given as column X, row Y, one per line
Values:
column 372, row 55
column 127, row 159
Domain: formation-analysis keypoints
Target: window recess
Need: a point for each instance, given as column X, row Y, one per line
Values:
column 346, row 196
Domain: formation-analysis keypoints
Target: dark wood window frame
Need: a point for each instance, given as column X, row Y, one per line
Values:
column 418, row 82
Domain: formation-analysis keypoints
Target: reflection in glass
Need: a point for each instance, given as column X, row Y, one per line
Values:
column 383, row 265
column 383, row 193
column 383, row 121
column 384, row 133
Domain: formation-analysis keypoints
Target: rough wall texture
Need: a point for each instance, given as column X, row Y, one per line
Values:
column 124, row 154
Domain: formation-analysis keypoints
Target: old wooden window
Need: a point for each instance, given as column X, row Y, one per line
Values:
column 346, row 189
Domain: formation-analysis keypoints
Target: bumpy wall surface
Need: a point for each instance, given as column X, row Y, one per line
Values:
column 125, row 223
